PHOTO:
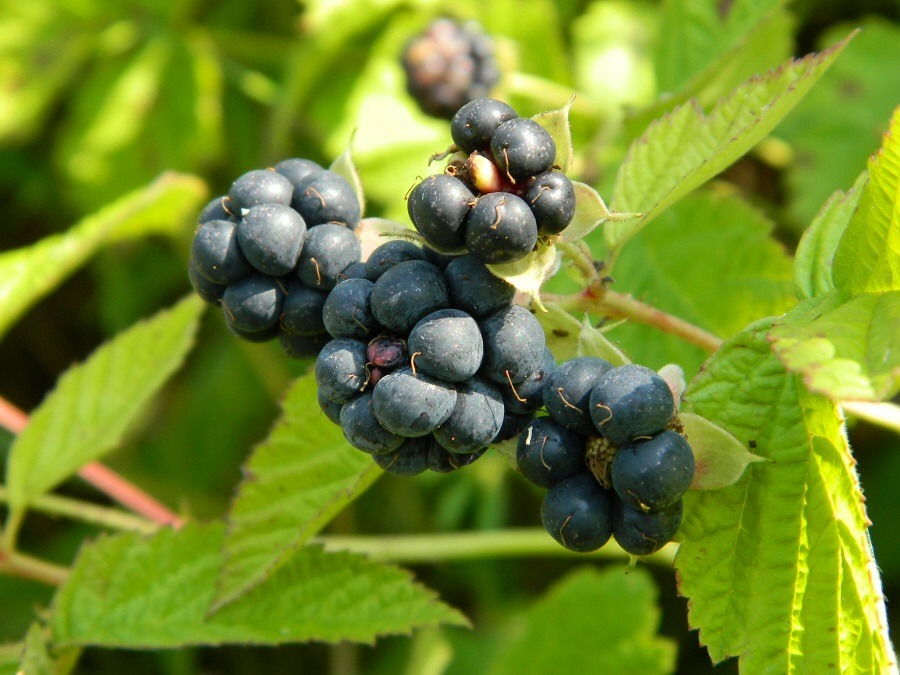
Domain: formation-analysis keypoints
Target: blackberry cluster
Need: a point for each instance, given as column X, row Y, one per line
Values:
column 448, row 65
column 501, row 194
column 425, row 352
column 271, row 249
column 606, row 454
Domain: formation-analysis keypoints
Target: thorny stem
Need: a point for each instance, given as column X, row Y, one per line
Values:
column 473, row 546
column 101, row 477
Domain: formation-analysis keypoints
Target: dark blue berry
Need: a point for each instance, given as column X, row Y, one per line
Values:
column 500, row 228
column 436, row 258
column 328, row 251
column 260, row 186
column 513, row 426
column 363, row 431
column 205, row 288
column 412, row 405
column 356, row 271
column 578, row 513
column 438, row 207
column 216, row 254
column 474, row 289
column 263, row 335
column 631, row 401
column 447, row 344
column 548, row 453
column 522, row 148
column 441, row 460
column 528, row 395
column 389, row 254
column 551, row 197
column 409, row 459
column 476, row 418
column 513, row 345
column 652, row 474
column 271, row 236
column 326, row 197
column 301, row 312
column 216, row 209
column 473, row 125
column 331, row 409
column 642, row 533
column 297, row 170
column 567, row 392
column 407, row 293
column 346, row 311
column 253, row 304
column 302, row 346
column 341, row 369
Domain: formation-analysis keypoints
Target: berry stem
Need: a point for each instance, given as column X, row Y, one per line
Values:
column 101, row 477
column 76, row 509
column 27, row 567
column 472, row 546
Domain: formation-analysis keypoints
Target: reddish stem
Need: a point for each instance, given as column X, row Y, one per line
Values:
column 102, row 477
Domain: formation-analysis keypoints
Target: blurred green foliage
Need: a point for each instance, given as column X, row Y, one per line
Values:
column 99, row 98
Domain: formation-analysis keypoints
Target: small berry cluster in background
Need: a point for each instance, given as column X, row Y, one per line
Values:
column 271, row 249
column 610, row 463
column 500, row 193
column 448, row 65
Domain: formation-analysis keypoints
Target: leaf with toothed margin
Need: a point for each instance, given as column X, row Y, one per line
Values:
column 294, row 483
column 814, row 258
column 136, row 592
column 343, row 166
column 529, row 273
column 687, row 147
column 591, row 342
column 556, row 122
column 778, row 568
column 719, row 457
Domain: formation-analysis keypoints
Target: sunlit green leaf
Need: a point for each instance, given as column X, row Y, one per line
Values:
column 778, row 568
column 590, row 213
column 557, row 123
column 294, row 483
column 345, row 167
column 814, row 258
column 844, row 346
column 128, row 591
column 28, row 274
column 868, row 256
column 591, row 622
column 561, row 330
column 709, row 260
column 93, row 403
column 688, row 147
column 591, row 342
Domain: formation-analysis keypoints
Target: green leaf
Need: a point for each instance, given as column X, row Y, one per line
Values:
column 93, row 403
column 686, row 148
column 720, row 458
column 128, row 591
column 28, row 274
column 590, row 213
column 591, row 622
column 294, row 483
column 557, row 123
column 10, row 657
column 846, row 347
column 858, row 93
column 814, row 258
column 709, row 260
column 778, row 568
column 697, row 33
column 868, row 256
column 591, row 342
column 530, row 273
